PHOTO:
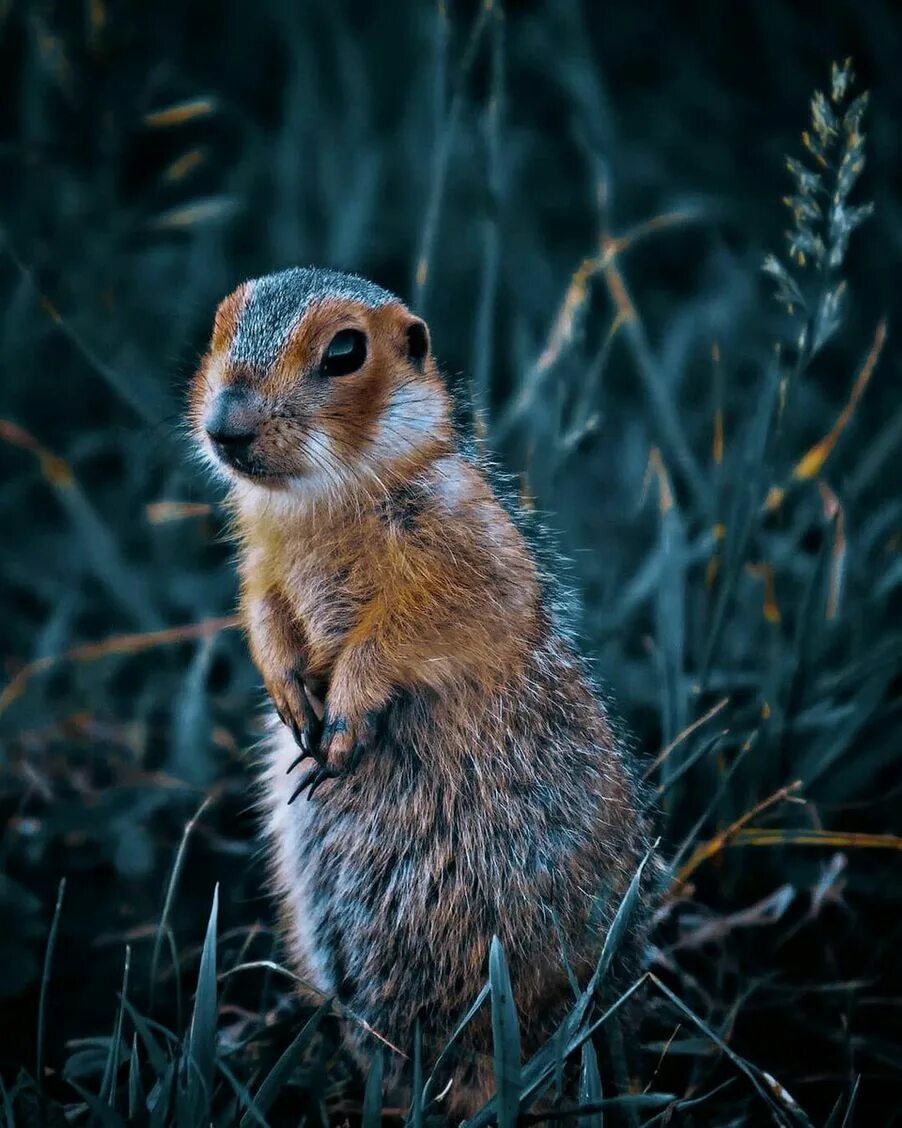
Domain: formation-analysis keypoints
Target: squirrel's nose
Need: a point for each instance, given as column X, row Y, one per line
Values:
column 231, row 422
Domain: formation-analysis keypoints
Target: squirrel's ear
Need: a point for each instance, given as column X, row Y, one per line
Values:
column 417, row 340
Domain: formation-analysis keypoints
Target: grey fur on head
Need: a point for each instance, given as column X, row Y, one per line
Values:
column 278, row 301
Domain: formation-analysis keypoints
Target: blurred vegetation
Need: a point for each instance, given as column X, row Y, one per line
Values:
column 579, row 198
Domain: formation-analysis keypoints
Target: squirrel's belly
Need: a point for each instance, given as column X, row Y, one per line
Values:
column 393, row 884
column 288, row 829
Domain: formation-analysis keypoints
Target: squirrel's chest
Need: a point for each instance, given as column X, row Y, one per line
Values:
column 326, row 592
column 327, row 612
column 309, row 591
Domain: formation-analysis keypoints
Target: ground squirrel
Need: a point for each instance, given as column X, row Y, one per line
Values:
column 464, row 780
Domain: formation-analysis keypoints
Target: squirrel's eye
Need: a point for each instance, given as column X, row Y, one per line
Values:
column 346, row 353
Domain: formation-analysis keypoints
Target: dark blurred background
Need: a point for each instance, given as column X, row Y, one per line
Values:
column 482, row 163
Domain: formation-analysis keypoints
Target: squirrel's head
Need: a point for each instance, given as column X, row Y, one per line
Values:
column 317, row 382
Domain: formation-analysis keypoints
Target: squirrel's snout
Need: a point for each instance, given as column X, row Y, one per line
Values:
column 231, row 423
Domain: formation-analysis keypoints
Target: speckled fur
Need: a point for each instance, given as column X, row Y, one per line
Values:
column 492, row 796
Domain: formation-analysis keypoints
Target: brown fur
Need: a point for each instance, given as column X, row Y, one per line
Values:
column 490, row 795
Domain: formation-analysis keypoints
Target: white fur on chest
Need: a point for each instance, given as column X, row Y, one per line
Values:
column 288, row 829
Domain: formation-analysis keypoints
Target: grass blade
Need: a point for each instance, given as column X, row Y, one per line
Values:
column 832, row 1120
column 159, row 1098
column 108, row 1086
column 170, row 893
column 670, row 618
column 135, row 1089
column 625, row 911
column 560, row 1038
column 505, row 1037
column 613, row 1036
column 45, row 982
column 155, row 1055
column 372, row 1098
column 281, row 1071
column 741, row 1064
column 415, row 1116
column 201, row 1044
column 629, row 1103
column 540, row 1065
column 744, row 510
column 100, row 1111
column 253, row 1115
column 9, row 1118
column 536, row 1072
column 590, row 1088
column 447, row 126
column 452, row 1041
column 703, row 750
column 853, row 1096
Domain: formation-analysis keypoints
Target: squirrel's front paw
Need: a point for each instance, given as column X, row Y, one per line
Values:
column 342, row 743
column 297, row 710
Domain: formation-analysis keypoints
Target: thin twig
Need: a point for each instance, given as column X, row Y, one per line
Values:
column 685, row 734
column 271, row 965
column 444, row 144
column 783, row 836
column 483, row 336
column 812, row 462
column 123, row 387
column 170, row 892
column 118, row 644
column 706, row 850
column 627, row 320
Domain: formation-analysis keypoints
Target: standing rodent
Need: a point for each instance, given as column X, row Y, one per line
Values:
column 466, row 778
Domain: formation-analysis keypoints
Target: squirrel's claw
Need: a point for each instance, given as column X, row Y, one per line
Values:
column 307, row 732
column 339, row 748
column 305, row 754
column 337, row 755
column 313, row 779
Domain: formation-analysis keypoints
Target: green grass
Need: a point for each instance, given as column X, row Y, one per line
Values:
column 584, row 236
